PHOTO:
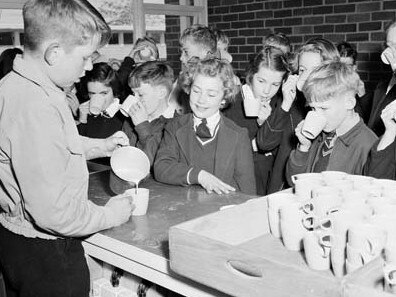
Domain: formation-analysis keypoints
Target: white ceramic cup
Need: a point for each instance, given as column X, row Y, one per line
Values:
column 304, row 185
column 96, row 104
column 250, row 103
column 140, row 198
column 317, row 246
column 337, row 260
column 387, row 56
column 313, row 124
column 126, row 105
column 275, row 202
column 367, row 238
column 291, row 226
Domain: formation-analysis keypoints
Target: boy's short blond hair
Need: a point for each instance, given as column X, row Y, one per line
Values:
column 200, row 35
column 71, row 22
column 329, row 81
column 155, row 73
column 212, row 67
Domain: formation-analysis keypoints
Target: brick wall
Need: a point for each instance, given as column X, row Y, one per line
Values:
column 360, row 22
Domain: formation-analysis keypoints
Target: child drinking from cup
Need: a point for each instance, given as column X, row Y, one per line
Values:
column 101, row 110
column 205, row 147
column 345, row 141
column 151, row 83
column 265, row 122
column 381, row 160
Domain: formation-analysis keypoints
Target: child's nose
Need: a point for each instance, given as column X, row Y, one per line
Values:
column 267, row 88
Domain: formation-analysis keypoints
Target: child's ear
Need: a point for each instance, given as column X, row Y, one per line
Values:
column 163, row 92
column 350, row 102
column 52, row 53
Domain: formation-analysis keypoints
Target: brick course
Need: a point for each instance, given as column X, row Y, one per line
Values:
column 360, row 22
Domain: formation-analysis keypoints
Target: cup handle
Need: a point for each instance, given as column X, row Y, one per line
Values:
column 326, row 224
column 308, row 221
column 326, row 244
column 308, row 208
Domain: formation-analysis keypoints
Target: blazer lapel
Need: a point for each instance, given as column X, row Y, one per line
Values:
column 226, row 144
column 185, row 138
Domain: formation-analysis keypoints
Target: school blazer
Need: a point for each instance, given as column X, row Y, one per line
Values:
column 233, row 157
column 379, row 101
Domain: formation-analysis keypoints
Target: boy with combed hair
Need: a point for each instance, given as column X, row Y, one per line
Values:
column 151, row 83
column 43, row 171
column 345, row 140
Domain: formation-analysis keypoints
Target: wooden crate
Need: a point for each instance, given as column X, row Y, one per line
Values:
column 233, row 251
column 368, row 281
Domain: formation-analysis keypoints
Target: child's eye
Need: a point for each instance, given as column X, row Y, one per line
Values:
column 276, row 84
column 260, row 80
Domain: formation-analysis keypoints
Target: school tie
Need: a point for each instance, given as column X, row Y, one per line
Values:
column 202, row 131
column 328, row 143
column 327, row 147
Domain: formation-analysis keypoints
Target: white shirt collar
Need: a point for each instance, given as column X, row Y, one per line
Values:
column 212, row 122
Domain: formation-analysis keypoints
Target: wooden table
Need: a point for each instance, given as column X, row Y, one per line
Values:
column 140, row 246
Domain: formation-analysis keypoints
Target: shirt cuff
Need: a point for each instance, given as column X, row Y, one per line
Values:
column 192, row 176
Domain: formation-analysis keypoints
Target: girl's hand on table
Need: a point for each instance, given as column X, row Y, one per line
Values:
column 212, row 184
column 121, row 207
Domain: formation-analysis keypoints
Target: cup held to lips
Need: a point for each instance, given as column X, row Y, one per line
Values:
column 250, row 103
column 387, row 56
column 126, row 105
column 96, row 104
column 314, row 123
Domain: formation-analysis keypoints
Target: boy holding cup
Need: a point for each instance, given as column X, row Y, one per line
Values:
column 345, row 141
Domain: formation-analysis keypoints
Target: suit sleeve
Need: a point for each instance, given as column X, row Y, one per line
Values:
column 297, row 163
column 244, row 169
column 269, row 135
column 381, row 164
column 168, row 167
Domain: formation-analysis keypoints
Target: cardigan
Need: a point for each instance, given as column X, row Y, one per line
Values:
column 233, row 157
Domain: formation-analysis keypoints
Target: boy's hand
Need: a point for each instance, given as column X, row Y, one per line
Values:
column 289, row 88
column 212, row 184
column 264, row 112
column 121, row 206
column 305, row 143
column 388, row 117
column 116, row 140
column 138, row 113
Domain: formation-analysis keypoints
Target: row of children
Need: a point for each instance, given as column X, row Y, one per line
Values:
column 43, row 172
column 318, row 76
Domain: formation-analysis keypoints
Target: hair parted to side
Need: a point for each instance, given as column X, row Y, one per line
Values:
column 155, row 73
column 103, row 73
column 269, row 57
column 330, row 80
column 324, row 47
column 212, row 67
column 200, row 35
column 71, row 22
